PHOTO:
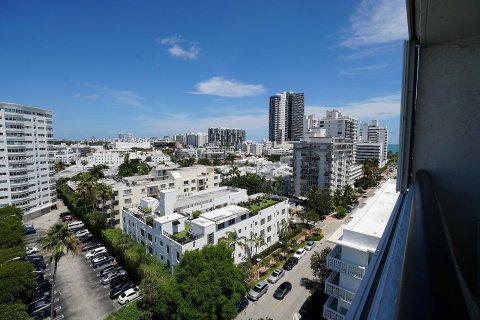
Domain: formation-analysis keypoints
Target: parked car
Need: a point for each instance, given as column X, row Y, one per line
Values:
column 37, row 261
column 81, row 233
column 108, row 269
column 121, row 288
column 282, row 290
column 41, row 293
column 94, row 252
column 64, row 214
column 116, row 281
column 89, row 247
column 43, row 313
column 129, row 295
column 290, row 263
column 38, row 276
column 105, row 260
column 276, row 275
column 365, row 195
column 99, row 256
column 242, row 305
column 31, row 250
column 299, row 253
column 43, row 285
column 112, row 275
column 309, row 245
column 29, row 229
column 40, row 304
column 258, row 291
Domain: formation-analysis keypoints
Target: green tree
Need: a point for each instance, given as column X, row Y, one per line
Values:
column 318, row 263
column 250, row 181
column 210, row 284
column 84, row 163
column 204, row 162
column 320, row 201
column 56, row 243
column 15, row 311
column 105, row 193
column 232, row 239
column 97, row 171
column 59, row 166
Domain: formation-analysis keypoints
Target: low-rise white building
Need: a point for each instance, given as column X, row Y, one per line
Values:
column 356, row 243
column 171, row 234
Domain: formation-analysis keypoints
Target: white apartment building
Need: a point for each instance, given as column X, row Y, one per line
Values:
column 321, row 162
column 375, row 133
column 186, row 182
column 127, row 145
column 196, row 139
column 371, row 150
column 107, row 158
column 167, row 235
column 159, row 156
column 286, row 112
column 66, row 154
column 26, row 158
column 335, row 124
column 356, row 243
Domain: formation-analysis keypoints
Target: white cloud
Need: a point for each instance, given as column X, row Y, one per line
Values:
column 376, row 108
column 180, row 48
column 361, row 70
column 218, row 86
column 91, row 97
column 122, row 97
column 377, row 22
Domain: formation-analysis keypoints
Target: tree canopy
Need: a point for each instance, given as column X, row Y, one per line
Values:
column 318, row 263
column 320, row 201
column 250, row 181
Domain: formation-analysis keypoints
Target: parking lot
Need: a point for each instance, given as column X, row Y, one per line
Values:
column 78, row 293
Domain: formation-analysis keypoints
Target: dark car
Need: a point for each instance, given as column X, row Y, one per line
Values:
column 40, row 293
column 39, row 304
column 29, row 230
column 63, row 214
column 120, row 288
column 108, row 269
column 118, row 280
column 43, row 313
column 91, row 246
column 282, row 290
column 105, row 260
column 290, row 263
column 242, row 305
column 86, row 238
column 38, row 276
column 43, row 285
column 37, row 261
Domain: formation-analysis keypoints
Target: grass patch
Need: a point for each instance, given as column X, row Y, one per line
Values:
column 258, row 204
column 182, row 234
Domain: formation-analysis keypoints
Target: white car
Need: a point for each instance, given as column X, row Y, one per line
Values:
column 276, row 275
column 30, row 250
column 365, row 195
column 94, row 252
column 81, row 233
column 129, row 295
column 309, row 245
column 299, row 253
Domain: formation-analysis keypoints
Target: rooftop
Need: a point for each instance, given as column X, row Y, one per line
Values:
column 223, row 214
column 369, row 220
column 258, row 203
column 169, row 218
column 204, row 196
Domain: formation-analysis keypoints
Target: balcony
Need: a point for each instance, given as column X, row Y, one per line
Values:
column 335, row 263
column 333, row 288
column 330, row 310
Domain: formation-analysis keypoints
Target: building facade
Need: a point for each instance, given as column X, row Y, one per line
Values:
column 286, row 112
column 375, row 133
column 171, row 234
column 27, row 158
column 321, row 162
column 226, row 136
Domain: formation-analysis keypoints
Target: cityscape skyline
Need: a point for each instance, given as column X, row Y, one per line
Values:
column 153, row 73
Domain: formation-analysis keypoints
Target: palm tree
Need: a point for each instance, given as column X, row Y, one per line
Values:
column 87, row 192
column 97, row 171
column 57, row 242
column 232, row 239
column 256, row 240
column 278, row 184
column 105, row 193
column 84, row 163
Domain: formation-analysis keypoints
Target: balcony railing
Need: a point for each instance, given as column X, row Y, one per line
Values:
column 335, row 262
column 330, row 310
column 333, row 288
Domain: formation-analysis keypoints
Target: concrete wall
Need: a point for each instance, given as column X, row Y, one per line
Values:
column 446, row 140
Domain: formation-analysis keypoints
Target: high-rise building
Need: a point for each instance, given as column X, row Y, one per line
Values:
column 335, row 124
column 196, row 139
column 226, row 136
column 321, row 162
column 27, row 158
column 375, row 133
column 286, row 112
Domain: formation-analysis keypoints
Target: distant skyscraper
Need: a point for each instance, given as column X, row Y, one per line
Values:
column 27, row 158
column 286, row 117
column 226, row 136
column 196, row 139
column 375, row 133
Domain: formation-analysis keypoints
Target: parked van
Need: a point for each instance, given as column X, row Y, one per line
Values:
column 75, row 225
column 94, row 252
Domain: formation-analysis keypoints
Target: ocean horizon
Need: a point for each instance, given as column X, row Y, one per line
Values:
column 393, row 147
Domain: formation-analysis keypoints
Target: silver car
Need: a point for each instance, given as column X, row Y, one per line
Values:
column 259, row 290
column 309, row 245
column 276, row 275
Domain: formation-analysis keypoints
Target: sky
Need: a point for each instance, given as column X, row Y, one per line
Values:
column 158, row 68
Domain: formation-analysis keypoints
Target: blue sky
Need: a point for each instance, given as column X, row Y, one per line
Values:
column 156, row 68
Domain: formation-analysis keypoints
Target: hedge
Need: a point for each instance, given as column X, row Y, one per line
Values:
column 276, row 245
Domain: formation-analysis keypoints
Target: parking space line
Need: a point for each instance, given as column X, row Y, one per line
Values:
column 275, row 306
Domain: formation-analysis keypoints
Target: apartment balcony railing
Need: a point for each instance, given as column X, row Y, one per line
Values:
column 330, row 310
column 335, row 263
column 333, row 288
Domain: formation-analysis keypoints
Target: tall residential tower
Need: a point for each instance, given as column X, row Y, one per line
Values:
column 26, row 158
column 286, row 117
